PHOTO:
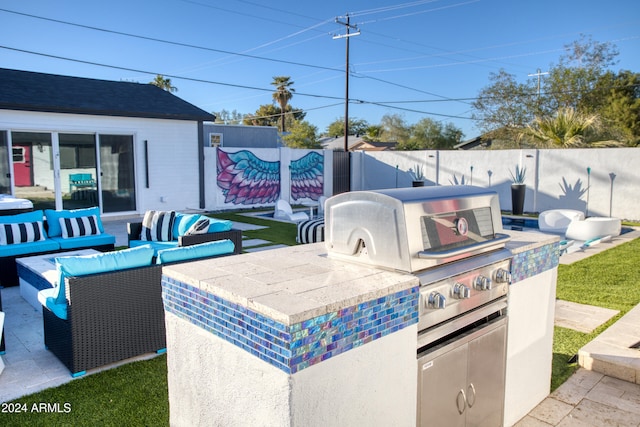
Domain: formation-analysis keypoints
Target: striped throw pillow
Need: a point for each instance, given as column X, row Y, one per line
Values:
column 201, row 226
column 22, row 232
column 157, row 226
column 79, row 226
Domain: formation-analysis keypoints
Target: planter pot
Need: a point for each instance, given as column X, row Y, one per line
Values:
column 418, row 183
column 517, row 198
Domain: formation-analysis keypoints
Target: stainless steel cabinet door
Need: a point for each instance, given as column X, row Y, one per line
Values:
column 442, row 381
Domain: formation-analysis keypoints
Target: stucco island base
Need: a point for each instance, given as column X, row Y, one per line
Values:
column 213, row 382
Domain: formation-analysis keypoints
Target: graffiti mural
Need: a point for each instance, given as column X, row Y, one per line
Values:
column 307, row 177
column 246, row 180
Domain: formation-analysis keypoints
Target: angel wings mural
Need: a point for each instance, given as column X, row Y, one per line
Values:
column 246, row 179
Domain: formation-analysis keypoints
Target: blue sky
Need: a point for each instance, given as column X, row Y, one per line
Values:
column 415, row 58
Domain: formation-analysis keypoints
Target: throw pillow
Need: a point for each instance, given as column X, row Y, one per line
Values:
column 22, row 232
column 157, row 226
column 201, row 226
column 80, row 226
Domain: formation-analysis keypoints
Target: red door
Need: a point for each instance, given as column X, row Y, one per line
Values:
column 22, row 172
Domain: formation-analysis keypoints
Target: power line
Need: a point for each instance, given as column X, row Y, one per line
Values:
column 155, row 73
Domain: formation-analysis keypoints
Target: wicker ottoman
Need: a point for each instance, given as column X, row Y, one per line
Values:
column 311, row 231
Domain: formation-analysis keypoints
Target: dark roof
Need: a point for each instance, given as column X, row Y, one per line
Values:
column 30, row 91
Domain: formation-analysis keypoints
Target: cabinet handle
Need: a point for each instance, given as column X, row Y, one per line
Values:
column 471, row 391
column 461, row 401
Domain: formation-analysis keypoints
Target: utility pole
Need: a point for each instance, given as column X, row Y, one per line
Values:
column 346, row 36
column 538, row 74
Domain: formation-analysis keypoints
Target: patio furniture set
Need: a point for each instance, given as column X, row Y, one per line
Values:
column 101, row 306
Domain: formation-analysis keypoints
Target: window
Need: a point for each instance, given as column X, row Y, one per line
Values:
column 215, row 140
column 18, row 154
column 77, row 151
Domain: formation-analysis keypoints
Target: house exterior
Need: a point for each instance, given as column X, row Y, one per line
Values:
column 241, row 136
column 68, row 142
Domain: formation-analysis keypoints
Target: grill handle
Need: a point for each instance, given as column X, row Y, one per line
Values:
column 499, row 239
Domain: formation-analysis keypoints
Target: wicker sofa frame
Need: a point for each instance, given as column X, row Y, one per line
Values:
column 135, row 228
column 110, row 317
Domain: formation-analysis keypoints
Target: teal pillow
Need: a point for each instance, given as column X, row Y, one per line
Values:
column 53, row 218
column 217, row 225
column 183, row 222
column 99, row 263
column 202, row 250
column 33, row 216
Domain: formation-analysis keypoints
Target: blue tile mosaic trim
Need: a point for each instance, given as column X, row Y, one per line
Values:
column 530, row 263
column 296, row 347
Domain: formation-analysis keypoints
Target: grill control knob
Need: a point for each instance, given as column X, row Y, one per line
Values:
column 436, row 300
column 482, row 283
column 461, row 291
column 503, row 276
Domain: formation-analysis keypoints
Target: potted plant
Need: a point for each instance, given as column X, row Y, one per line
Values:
column 418, row 176
column 518, row 189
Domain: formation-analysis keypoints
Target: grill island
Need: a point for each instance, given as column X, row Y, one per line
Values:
column 339, row 335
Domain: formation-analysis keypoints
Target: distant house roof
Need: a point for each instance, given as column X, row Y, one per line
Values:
column 31, row 91
column 355, row 142
column 470, row 144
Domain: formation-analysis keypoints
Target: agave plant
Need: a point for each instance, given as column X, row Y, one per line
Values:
column 519, row 175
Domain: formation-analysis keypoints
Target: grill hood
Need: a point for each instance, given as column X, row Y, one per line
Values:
column 412, row 229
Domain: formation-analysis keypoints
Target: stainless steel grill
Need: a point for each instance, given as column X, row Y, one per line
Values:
column 452, row 239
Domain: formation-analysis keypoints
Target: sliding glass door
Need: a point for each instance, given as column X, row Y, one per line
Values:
column 69, row 170
column 78, row 172
column 117, row 173
column 33, row 168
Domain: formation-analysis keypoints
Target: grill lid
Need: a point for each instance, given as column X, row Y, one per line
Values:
column 411, row 229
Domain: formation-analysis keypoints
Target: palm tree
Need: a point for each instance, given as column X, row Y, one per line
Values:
column 164, row 83
column 568, row 128
column 282, row 95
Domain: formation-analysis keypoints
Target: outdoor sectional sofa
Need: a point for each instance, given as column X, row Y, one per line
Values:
column 41, row 232
column 181, row 233
column 108, row 307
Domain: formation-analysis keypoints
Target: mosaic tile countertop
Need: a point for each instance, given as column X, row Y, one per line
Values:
column 290, row 285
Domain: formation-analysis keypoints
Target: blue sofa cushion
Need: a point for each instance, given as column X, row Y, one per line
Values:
column 103, row 239
column 202, row 250
column 22, row 217
column 182, row 223
column 30, row 248
column 217, row 225
column 91, row 264
column 21, row 232
column 53, row 218
column 80, row 226
column 157, row 246
column 47, row 297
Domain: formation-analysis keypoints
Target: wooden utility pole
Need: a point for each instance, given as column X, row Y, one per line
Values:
column 538, row 73
column 346, row 36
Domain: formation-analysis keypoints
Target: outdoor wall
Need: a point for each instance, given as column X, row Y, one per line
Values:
column 238, row 178
column 555, row 179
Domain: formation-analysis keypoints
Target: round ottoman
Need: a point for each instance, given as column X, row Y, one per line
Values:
column 593, row 228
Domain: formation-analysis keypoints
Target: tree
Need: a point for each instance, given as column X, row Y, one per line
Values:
column 394, row 129
column 229, row 118
column 356, row 127
column 268, row 114
column 567, row 129
column 621, row 112
column 302, row 134
column 282, row 95
column 428, row 134
column 504, row 104
column 164, row 83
